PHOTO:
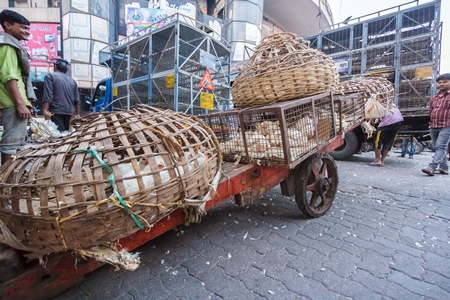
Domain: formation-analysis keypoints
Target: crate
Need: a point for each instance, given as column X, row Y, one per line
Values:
column 225, row 126
column 351, row 107
column 280, row 135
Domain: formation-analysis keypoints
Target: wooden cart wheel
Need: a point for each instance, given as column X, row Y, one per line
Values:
column 316, row 186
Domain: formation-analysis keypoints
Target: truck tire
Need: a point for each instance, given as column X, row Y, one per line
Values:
column 350, row 147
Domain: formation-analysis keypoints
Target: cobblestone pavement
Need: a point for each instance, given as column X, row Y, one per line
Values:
column 387, row 236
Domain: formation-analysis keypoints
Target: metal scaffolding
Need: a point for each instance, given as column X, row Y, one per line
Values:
column 404, row 45
column 163, row 66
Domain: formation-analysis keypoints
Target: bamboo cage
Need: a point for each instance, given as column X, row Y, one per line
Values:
column 117, row 173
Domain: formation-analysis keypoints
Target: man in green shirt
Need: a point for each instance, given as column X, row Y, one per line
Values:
column 16, row 89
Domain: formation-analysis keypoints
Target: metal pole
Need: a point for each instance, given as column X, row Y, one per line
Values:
column 128, row 77
column 397, row 66
column 177, row 62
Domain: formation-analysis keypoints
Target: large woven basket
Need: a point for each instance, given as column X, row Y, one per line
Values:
column 369, row 85
column 118, row 172
column 283, row 69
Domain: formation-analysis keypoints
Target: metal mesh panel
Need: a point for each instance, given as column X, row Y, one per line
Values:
column 163, row 50
column 384, row 48
column 381, row 31
column 418, row 22
column 139, row 53
column 226, row 128
column 351, row 108
column 418, row 51
column 357, row 36
column 168, row 54
column 336, row 42
column 356, row 58
column 380, row 58
column 413, row 92
column 120, row 65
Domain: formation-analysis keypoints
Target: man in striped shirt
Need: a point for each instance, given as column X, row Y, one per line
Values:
column 439, row 109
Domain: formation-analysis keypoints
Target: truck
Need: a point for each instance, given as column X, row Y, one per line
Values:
column 402, row 44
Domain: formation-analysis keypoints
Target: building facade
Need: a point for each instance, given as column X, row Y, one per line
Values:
column 78, row 29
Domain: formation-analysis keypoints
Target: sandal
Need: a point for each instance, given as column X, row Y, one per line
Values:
column 441, row 172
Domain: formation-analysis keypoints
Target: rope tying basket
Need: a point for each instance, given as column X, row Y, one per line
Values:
column 116, row 173
column 283, row 69
column 370, row 85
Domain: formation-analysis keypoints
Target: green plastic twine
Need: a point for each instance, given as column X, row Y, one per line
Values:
column 111, row 179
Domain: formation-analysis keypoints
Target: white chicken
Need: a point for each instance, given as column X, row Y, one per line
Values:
column 306, row 126
column 368, row 128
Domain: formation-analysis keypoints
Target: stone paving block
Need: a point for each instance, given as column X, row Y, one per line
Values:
column 362, row 220
column 268, row 288
column 287, row 229
column 340, row 220
column 274, row 261
column 204, row 261
column 96, row 288
column 284, row 243
column 224, row 286
column 387, row 233
column 312, row 229
column 341, row 245
column 143, row 285
column 368, row 245
column 381, row 286
column 200, row 245
column 221, row 240
column 375, row 264
column 338, row 231
column 420, row 287
column 306, row 243
column 259, row 245
column 344, row 286
column 437, row 263
column 397, row 246
column 362, row 231
column 307, row 262
column 408, row 264
column 436, row 233
column 437, row 279
column 239, row 261
column 342, row 263
column 303, row 286
column 182, row 285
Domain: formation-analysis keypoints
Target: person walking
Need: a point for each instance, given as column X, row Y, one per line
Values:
column 405, row 144
column 61, row 96
column 16, row 90
column 439, row 109
column 385, row 135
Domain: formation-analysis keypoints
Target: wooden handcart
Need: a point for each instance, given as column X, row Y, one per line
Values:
column 311, row 177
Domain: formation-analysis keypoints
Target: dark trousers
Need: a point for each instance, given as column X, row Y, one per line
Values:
column 62, row 121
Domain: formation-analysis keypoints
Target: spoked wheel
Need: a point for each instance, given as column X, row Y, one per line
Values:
column 316, row 186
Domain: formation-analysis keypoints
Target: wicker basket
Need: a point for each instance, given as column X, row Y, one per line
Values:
column 283, row 69
column 370, row 85
column 116, row 173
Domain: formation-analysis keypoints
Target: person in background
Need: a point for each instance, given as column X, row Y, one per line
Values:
column 61, row 96
column 385, row 135
column 439, row 109
column 16, row 90
column 412, row 150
